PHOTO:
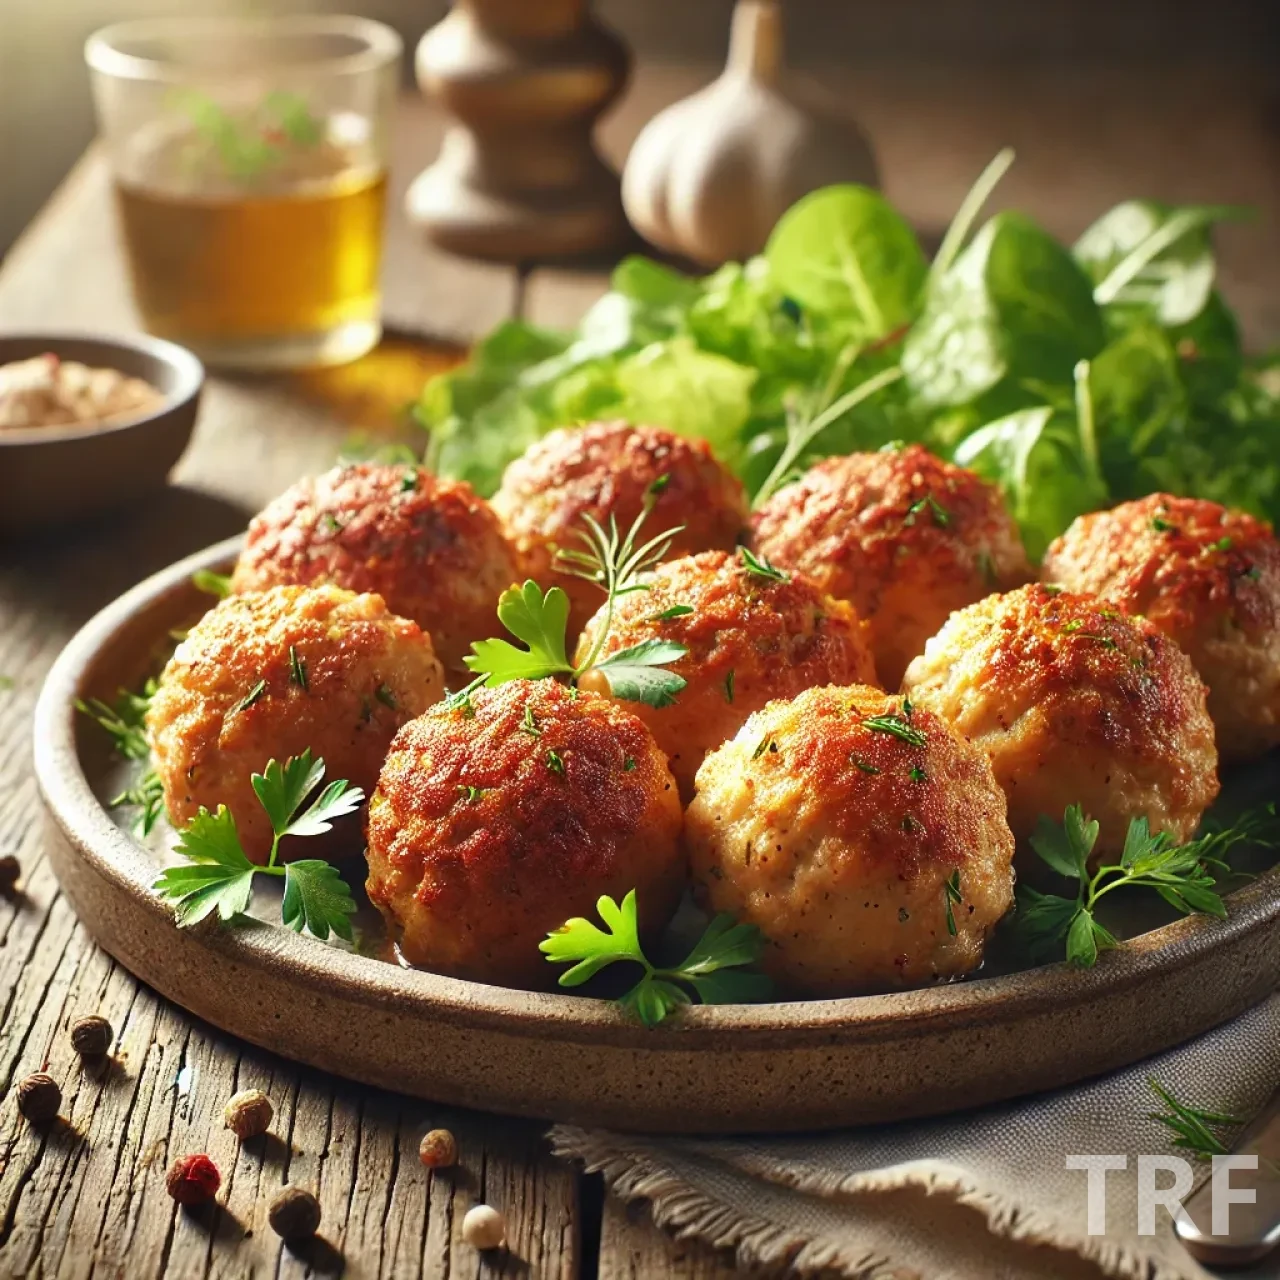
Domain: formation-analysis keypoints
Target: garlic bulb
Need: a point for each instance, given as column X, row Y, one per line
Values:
column 710, row 175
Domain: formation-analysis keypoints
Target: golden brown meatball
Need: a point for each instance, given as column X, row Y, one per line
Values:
column 496, row 821
column 270, row 674
column 903, row 536
column 606, row 469
column 864, row 838
column 1209, row 578
column 1074, row 702
column 750, row 637
column 431, row 548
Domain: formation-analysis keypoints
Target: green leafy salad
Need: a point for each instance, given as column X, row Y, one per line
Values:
column 1072, row 376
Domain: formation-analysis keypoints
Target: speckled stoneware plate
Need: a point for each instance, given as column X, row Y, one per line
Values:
column 760, row 1067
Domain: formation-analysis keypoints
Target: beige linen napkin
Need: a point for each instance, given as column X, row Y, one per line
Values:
column 978, row 1196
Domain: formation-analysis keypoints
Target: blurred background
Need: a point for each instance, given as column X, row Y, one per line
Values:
column 1110, row 57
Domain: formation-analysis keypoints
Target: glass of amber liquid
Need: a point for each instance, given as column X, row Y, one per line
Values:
column 249, row 159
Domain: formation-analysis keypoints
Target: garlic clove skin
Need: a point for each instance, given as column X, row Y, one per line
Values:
column 709, row 176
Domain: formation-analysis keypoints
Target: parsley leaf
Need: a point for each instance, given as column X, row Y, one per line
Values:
column 725, row 945
column 317, row 898
column 637, row 673
column 1182, row 874
column 218, row 876
column 536, row 618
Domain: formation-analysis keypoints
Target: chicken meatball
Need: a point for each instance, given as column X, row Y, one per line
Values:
column 498, row 819
column 1209, row 578
column 903, row 536
column 752, row 633
column 606, row 470
column 431, row 548
column 1074, row 702
column 271, row 674
column 863, row 837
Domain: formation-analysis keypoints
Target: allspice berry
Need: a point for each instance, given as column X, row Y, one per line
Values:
column 294, row 1214
column 10, row 870
column 193, row 1180
column 91, row 1037
column 39, row 1097
column 248, row 1114
column 438, row 1149
column 484, row 1227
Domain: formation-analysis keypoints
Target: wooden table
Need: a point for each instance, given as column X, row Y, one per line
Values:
column 90, row 1199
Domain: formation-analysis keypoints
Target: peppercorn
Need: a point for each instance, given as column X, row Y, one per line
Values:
column 10, row 870
column 484, row 1227
column 248, row 1114
column 39, row 1097
column 91, row 1037
column 193, row 1180
column 294, row 1214
column 438, row 1149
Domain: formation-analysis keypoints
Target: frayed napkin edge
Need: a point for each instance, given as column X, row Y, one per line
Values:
column 689, row 1213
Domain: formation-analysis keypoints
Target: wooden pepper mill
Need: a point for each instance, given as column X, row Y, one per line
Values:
column 518, row 176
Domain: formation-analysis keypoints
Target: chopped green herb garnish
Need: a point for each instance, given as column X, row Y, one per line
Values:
column 253, row 695
column 918, row 774
column 386, row 696
column 1161, row 525
column 529, row 725
column 765, row 744
column 297, row 669
column 951, row 894
column 555, row 763
column 862, row 765
column 941, row 516
column 728, row 686
column 628, row 764
column 674, row 611
column 1223, row 544
column 898, row 727
column 471, row 793
column 761, row 568
column 331, row 522
column 409, row 481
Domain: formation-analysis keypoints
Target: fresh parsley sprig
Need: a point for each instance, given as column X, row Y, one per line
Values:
column 713, row 969
column 1184, row 875
column 217, row 875
column 540, row 619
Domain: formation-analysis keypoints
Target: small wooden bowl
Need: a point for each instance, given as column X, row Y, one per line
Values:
column 57, row 475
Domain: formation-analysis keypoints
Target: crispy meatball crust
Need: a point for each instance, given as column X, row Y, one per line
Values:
column 605, row 469
column 431, row 548
column 272, row 673
column 838, row 839
column 903, row 536
column 1209, row 578
column 750, row 639
column 1073, row 701
column 495, row 822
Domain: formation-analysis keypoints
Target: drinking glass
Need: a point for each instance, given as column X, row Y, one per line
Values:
column 249, row 161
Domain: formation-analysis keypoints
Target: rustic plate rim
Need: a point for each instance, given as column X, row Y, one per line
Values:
column 116, row 856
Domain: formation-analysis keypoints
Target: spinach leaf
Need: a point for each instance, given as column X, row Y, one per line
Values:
column 846, row 251
column 1036, row 458
column 1153, row 260
column 1014, row 308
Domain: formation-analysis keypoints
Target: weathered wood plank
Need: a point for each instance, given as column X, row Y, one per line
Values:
column 633, row 1248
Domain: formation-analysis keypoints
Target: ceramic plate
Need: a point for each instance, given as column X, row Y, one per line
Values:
column 805, row 1064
